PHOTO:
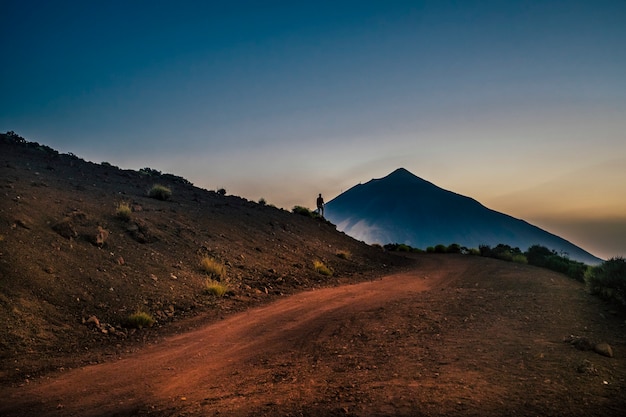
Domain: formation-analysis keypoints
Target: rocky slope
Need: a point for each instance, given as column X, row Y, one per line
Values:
column 72, row 270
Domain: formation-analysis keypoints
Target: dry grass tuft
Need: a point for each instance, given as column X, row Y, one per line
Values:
column 212, row 267
column 160, row 192
column 216, row 288
column 123, row 211
column 321, row 268
column 344, row 254
column 139, row 320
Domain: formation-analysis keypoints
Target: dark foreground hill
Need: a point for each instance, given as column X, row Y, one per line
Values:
column 403, row 208
column 72, row 270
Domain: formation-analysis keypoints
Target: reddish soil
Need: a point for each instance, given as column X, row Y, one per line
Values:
column 457, row 335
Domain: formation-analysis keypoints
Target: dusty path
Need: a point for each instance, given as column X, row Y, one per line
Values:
column 459, row 335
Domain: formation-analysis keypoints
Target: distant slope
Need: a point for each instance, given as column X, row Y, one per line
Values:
column 403, row 208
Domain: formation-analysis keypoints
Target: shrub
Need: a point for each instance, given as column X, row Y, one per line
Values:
column 212, row 267
column 538, row 255
column 454, row 248
column 160, row 192
column 123, row 211
column 150, row 172
column 541, row 256
column 321, row 268
column 262, row 201
column 576, row 270
column 221, row 191
column 404, row 248
column 344, row 254
column 519, row 259
column 440, row 248
column 485, row 250
column 216, row 288
column 502, row 252
column 400, row 247
column 608, row 280
column 303, row 211
column 139, row 320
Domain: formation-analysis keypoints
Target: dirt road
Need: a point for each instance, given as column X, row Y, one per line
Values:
column 457, row 336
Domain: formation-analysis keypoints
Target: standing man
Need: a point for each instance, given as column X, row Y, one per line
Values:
column 320, row 205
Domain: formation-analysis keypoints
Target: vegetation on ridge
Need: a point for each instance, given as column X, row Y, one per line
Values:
column 607, row 280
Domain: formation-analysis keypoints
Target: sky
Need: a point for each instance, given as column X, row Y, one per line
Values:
column 520, row 105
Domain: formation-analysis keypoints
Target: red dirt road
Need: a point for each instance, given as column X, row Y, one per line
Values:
column 457, row 336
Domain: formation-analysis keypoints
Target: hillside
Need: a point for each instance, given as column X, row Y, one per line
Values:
column 71, row 271
column 403, row 208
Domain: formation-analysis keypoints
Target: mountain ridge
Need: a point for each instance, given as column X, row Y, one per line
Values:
column 404, row 208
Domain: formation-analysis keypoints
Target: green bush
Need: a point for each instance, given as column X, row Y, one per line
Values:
column 344, row 254
column 440, row 248
column 160, row 192
column 541, row 256
column 519, row 259
column 303, row 211
column 608, row 280
column 454, row 248
column 537, row 255
column 400, row 247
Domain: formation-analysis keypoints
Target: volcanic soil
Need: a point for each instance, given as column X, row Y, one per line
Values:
column 384, row 335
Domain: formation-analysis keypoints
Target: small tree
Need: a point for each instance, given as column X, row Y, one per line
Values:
column 538, row 255
column 453, row 248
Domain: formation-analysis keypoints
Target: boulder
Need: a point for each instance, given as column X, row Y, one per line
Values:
column 603, row 349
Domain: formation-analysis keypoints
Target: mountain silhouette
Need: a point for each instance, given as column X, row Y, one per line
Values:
column 403, row 208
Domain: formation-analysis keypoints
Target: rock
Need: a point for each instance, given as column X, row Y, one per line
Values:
column 587, row 367
column 65, row 228
column 141, row 232
column 580, row 343
column 101, row 236
column 603, row 349
column 23, row 223
column 93, row 320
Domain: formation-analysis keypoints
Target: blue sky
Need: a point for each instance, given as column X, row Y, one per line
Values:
column 518, row 104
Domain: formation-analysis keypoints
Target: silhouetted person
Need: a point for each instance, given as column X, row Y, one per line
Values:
column 320, row 205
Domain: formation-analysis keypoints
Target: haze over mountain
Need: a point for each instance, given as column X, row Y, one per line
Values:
column 403, row 208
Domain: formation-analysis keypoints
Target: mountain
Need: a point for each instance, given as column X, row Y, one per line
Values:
column 403, row 208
